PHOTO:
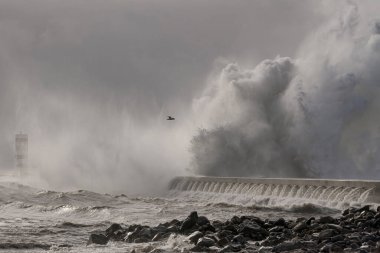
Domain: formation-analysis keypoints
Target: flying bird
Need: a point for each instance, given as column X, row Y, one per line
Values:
column 170, row 118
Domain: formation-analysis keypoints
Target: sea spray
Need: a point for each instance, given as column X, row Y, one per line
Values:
column 313, row 116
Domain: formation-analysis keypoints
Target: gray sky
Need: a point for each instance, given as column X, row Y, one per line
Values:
column 71, row 66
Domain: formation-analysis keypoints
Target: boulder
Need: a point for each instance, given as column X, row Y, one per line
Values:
column 300, row 226
column 189, row 222
column 97, row 239
column 113, row 229
column 202, row 220
column 280, row 222
column 194, row 237
column 326, row 219
column 205, row 242
column 326, row 234
column 231, row 248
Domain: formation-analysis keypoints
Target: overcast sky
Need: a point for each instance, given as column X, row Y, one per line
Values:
column 68, row 65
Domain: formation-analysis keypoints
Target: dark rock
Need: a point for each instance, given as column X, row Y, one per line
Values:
column 198, row 248
column 205, row 242
column 174, row 222
column 224, row 233
column 326, row 219
column 276, row 229
column 97, row 239
column 334, row 226
column 217, row 224
column 158, row 236
column 326, row 234
column 300, row 226
column 345, row 212
column 337, row 238
column 354, row 246
column 223, row 242
column 159, row 229
column 253, row 230
column 189, row 222
column 113, row 229
column 254, row 219
column 365, row 208
column 146, row 232
column 231, row 248
column 293, row 245
column 272, row 240
column 141, row 240
column 280, row 222
column 240, row 239
column 235, row 220
column 195, row 236
column 173, row 229
column 207, row 227
column 310, row 220
column 326, row 248
column 264, row 249
column 202, row 220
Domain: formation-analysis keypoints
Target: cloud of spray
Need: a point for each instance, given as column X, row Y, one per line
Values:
column 315, row 116
column 92, row 86
column 92, row 83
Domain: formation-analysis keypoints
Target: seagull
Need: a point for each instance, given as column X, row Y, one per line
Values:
column 170, row 118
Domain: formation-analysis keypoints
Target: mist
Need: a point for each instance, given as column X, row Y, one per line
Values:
column 312, row 115
column 92, row 85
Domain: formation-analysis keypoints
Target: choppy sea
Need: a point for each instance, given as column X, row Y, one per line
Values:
column 40, row 220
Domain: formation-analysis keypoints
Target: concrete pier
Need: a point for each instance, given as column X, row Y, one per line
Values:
column 317, row 189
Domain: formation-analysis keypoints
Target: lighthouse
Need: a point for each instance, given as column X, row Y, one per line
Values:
column 21, row 147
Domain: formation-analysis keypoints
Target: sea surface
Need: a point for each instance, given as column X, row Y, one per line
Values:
column 39, row 220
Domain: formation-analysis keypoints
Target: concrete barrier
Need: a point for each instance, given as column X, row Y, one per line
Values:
column 320, row 189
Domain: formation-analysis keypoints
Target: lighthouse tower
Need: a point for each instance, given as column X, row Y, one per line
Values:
column 21, row 147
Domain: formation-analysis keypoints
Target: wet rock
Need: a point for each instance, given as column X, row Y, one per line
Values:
column 231, row 228
column 158, row 236
column 300, row 226
column 294, row 245
column 354, row 245
column 97, row 239
column 195, row 236
column 326, row 219
column 264, row 249
column 249, row 227
column 334, row 226
column 231, row 248
column 240, row 239
column 223, row 242
column 146, row 232
column 224, row 233
column 198, row 248
column 202, row 220
column 236, row 220
column 273, row 240
column 310, row 221
column 205, row 242
column 189, row 222
column 207, row 227
column 280, row 222
column 173, row 229
column 141, row 240
column 114, row 230
column 365, row 208
column 326, row 234
column 337, row 238
column 157, row 251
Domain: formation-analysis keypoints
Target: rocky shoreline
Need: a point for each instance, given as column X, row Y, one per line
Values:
column 355, row 230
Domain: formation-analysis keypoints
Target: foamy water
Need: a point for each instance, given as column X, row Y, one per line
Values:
column 62, row 221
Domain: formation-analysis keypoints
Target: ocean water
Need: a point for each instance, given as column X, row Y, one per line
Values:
column 39, row 220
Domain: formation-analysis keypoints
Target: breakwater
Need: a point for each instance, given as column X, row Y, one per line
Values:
column 361, row 191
